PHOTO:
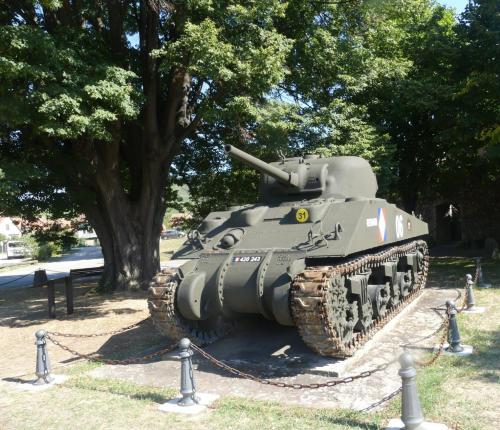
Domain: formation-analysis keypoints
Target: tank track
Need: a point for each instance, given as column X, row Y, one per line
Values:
column 310, row 295
column 169, row 322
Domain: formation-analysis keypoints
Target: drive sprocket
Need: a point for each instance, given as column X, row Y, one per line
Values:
column 167, row 319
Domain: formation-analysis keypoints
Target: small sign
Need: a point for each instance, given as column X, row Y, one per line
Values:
column 371, row 222
column 302, row 215
column 247, row 259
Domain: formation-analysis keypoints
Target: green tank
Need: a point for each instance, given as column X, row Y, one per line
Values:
column 319, row 252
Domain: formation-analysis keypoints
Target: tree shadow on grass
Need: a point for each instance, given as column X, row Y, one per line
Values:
column 28, row 307
column 486, row 356
column 450, row 272
column 137, row 342
column 352, row 423
column 121, row 388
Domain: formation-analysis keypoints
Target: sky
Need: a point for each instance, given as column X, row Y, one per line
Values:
column 459, row 5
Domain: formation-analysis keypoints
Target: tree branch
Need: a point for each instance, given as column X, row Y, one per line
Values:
column 116, row 12
column 148, row 38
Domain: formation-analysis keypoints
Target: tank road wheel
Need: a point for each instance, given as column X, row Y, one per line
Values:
column 379, row 296
column 320, row 309
column 340, row 311
column 395, row 292
column 169, row 322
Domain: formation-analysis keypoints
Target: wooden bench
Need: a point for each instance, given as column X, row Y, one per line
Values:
column 87, row 272
column 51, row 294
column 40, row 279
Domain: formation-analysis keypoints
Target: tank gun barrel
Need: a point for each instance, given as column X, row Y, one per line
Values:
column 278, row 174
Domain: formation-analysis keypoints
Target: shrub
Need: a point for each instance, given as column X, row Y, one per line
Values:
column 45, row 251
column 31, row 243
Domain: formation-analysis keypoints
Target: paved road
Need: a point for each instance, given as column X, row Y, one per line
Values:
column 81, row 258
column 89, row 256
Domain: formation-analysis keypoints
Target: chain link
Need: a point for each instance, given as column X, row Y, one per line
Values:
column 383, row 400
column 331, row 383
column 46, row 370
column 94, row 358
column 415, row 342
column 444, row 338
column 109, row 333
column 296, row 386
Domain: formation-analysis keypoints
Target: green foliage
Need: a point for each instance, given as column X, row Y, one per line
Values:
column 45, row 251
column 63, row 239
column 71, row 90
column 31, row 244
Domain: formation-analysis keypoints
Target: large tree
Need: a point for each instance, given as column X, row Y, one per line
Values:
column 349, row 63
column 98, row 97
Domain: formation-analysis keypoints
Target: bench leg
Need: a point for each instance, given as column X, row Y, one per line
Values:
column 51, row 298
column 68, row 287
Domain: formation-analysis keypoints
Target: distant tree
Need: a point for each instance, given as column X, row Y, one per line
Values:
column 473, row 171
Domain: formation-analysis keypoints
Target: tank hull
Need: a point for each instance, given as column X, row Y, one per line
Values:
column 273, row 245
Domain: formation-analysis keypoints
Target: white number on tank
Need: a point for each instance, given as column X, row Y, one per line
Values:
column 399, row 226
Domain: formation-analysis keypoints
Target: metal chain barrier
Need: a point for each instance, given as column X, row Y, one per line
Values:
column 382, row 400
column 446, row 325
column 439, row 351
column 414, row 342
column 93, row 357
column 331, row 383
column 463, row 306
column 108, row 333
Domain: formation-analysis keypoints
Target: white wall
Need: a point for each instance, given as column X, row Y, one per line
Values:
column 9, row 229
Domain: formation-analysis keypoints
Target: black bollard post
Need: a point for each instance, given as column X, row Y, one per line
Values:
column 39, row 278
column 412, row 417
column 43, row 367
column 481, row 283
column 470, row 293
column 454, row 335
column 188, row 388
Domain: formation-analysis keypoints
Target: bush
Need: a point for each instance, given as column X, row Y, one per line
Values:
column 58, row 238
column 40, row 251
column 46, row 250
column 31, row 243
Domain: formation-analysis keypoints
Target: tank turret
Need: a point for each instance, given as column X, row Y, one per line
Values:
column 311, row 177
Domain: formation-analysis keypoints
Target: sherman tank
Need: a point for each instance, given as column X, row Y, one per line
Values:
column 319, row 252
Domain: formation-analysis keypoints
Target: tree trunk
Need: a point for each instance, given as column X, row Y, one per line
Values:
column 129, row 235
column 127, row 226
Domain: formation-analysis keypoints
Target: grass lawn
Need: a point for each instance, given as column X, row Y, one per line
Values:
column 461, row 392
column 169, row 246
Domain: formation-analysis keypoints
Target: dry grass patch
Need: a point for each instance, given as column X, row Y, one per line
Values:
column 24, row 311
column 169, row 246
